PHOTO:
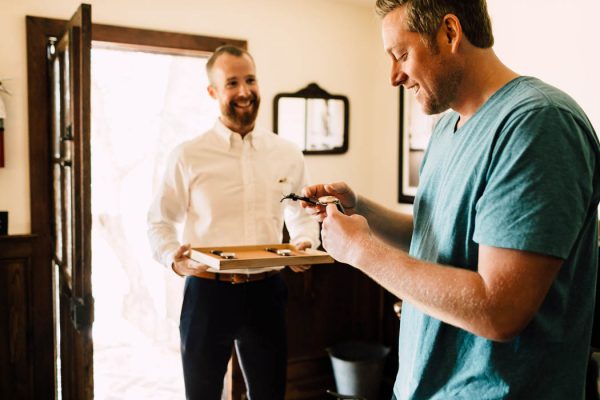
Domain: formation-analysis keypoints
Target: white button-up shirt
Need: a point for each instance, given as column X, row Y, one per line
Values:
column 226, row 190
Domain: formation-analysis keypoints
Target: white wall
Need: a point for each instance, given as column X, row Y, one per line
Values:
column 332, row 42
column 555, row 41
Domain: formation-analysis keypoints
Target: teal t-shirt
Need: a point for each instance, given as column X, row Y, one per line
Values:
column 522, row 173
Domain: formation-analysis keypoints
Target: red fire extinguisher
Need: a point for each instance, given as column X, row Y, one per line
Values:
column 2, row 118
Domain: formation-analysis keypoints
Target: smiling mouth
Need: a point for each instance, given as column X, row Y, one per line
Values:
column 243, row 104
column 414, row 88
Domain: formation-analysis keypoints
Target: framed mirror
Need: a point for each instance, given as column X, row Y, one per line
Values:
column 313, row 119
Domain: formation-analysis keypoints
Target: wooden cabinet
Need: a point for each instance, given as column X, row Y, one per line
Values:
column 26, row 336
column 327, row 305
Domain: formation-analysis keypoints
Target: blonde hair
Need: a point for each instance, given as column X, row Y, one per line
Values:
column 425, row 16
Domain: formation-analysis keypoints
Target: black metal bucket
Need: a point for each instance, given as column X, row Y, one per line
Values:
column 358, row 368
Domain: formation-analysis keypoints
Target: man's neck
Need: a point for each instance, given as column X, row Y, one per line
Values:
column 484, row 75
column 242, row 131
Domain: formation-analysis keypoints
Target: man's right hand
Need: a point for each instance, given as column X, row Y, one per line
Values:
column 341, row 190
column 185, row 266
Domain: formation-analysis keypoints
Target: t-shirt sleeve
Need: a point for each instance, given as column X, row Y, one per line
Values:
column 538, row 185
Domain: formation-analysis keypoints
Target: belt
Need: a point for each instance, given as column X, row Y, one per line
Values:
column 235, row 278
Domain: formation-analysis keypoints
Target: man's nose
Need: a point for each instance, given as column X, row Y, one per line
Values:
column 244, row 90
column 397, row 76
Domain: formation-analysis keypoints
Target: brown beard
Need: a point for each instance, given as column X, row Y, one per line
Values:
column 247, row 118
column 446, row 85
column 446, row 92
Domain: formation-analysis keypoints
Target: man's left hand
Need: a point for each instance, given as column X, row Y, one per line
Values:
column 301, row 268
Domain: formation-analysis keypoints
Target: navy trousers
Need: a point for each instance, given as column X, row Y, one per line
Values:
column 216, row 315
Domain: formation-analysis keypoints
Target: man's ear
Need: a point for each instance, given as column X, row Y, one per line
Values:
column 452, row 31
column 212, row 92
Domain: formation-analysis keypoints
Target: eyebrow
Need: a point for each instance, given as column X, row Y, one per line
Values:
column 235, row 78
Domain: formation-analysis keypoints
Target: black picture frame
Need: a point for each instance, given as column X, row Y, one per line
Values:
column 302, row 119
column 415, row 129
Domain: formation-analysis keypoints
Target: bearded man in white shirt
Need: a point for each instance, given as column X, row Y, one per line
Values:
column 225, row 186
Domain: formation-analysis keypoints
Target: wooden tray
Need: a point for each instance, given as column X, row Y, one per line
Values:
column 256, row 256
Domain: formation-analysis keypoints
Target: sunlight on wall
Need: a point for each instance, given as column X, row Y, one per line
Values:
column 143, row 105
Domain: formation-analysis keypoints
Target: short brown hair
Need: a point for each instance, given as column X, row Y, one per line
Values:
column 425, row 16
column 225, row 49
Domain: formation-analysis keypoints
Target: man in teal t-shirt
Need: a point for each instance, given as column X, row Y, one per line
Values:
column 518, row 175
column 499, row 282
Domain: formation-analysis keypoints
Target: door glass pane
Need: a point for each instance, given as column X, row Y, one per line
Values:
column 55, row 90
column 56, row 154
column 66, row 80
column 68, row 223
column 58, row 214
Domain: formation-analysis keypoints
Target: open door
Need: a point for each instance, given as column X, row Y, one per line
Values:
column 69, row 73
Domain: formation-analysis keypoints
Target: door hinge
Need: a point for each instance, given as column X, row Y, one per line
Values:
column 82, row 312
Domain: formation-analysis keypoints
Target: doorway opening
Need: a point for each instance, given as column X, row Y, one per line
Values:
column 143, row 104
column 59, row 119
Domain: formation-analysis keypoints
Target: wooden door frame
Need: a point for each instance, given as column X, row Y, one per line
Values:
column 39, row 29
column 40, row 179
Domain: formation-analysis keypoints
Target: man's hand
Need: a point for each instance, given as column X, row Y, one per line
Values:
column 185, row 266
column 344, row 236
column 301, row 268
column 341, row 190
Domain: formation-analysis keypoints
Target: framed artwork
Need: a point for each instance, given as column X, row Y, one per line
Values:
column 415, row 131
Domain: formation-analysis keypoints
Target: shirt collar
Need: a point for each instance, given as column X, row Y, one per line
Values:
column 253, row 137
